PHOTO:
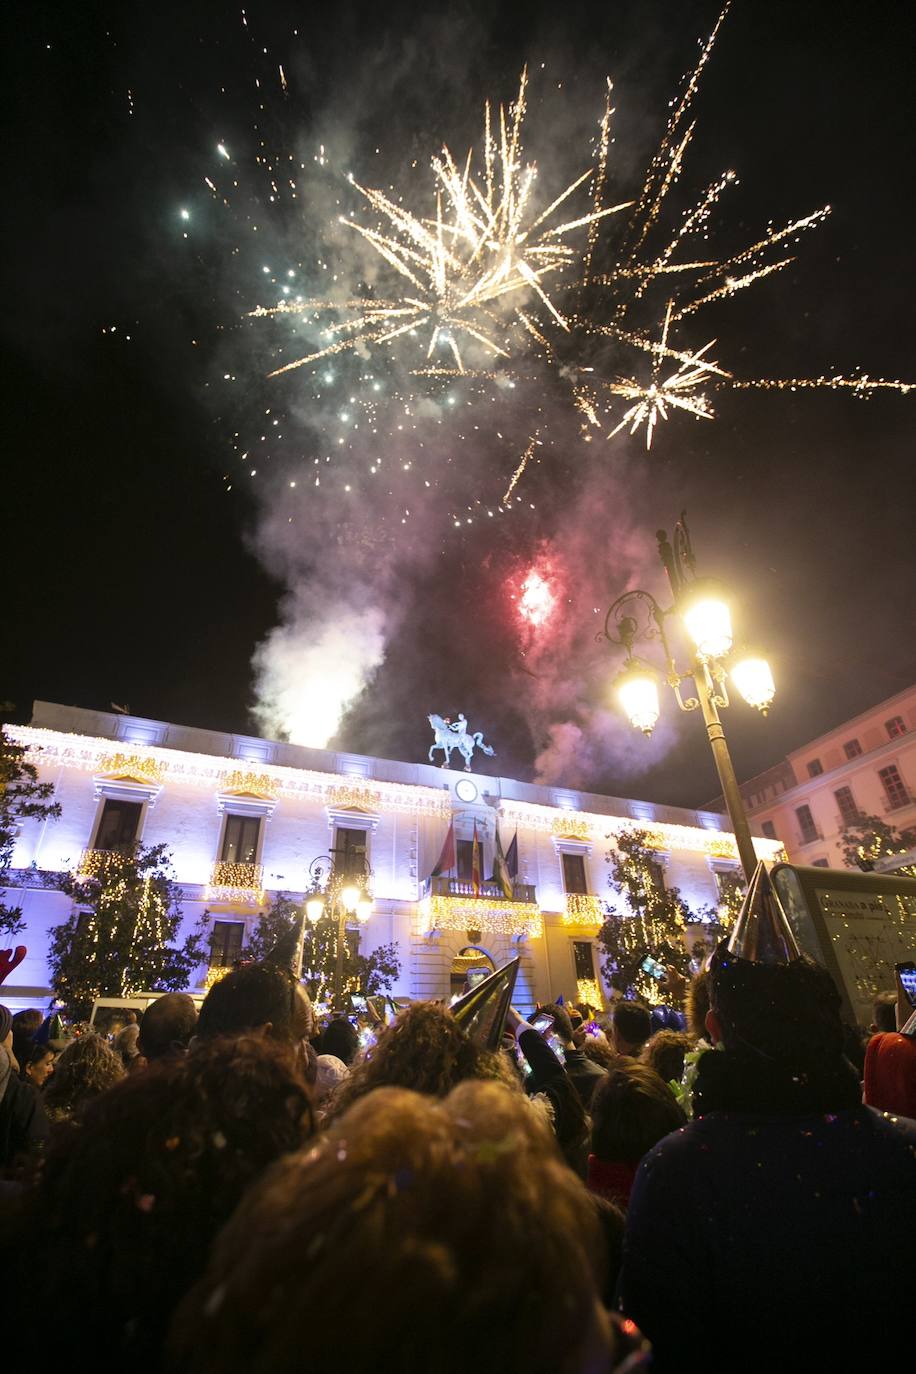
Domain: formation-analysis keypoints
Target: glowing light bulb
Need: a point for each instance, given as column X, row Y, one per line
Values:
column 350, row 896
column 754, row 680
column 314, row 909
column 364, row 908
column 637, row 691
column 709, row 624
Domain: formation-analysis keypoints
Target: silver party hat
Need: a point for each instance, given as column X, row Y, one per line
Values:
column 481, row 1013
column 762, row 934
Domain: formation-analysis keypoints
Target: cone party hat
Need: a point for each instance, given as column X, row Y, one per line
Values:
column 761, row 933
column 481, row 1013
column 287, row 952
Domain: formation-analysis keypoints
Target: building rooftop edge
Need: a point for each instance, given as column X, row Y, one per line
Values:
column 254, row 751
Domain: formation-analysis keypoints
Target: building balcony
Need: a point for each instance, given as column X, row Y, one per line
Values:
column 236, row 883
column 452, row 904
column 583, row 909
column 95, row 863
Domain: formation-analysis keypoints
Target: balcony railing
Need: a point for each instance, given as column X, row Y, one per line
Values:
column 95, row 863
column 583, row 909
column 489, row 892
column 236, row 883
column 452, row 904
column 809, row 836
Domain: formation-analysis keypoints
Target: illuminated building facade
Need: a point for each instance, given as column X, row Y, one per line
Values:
column 245, row 817
column 864, row 767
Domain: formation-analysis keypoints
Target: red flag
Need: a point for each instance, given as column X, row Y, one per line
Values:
column 475, row 864
column 448, row 858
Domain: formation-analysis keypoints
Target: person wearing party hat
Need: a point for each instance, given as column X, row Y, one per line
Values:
column 792, row 1203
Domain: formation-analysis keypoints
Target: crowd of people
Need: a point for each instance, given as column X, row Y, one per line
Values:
column 247, row 1190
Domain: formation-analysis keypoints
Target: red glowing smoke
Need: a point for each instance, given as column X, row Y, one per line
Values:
column 536, row 602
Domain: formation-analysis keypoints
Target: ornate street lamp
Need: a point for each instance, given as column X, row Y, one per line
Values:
column 343, row 896
column 701, row 605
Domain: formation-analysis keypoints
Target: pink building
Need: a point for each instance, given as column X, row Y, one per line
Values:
column 866, row 766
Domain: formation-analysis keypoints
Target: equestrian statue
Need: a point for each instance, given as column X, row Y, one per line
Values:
column 453, row 734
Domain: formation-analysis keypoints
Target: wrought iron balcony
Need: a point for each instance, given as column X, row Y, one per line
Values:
column 236, row 883
column 452, row 904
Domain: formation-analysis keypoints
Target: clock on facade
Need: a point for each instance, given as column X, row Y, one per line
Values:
column 466, row 790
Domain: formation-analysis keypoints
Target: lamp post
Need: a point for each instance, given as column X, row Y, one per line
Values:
column 345, row 895
column 702, row 607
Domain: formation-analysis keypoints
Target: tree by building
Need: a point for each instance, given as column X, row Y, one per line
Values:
column 364, row 974
column 118, row 937
column 22, row 797
column 654, row 925
column 871, row 839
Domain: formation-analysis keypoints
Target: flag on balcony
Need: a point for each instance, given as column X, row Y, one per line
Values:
column 501, row 868
column 449, row 857
column 512, row 856
column 475, row 863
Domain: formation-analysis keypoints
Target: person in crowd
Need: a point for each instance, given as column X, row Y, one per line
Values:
column 38, row 1065
column 125, row 1042
column 167, row 1026
column 884, row 1009
column 86, row 1068
column 599, row 1050
column 631, row 1026
column 424, row 1049
column 551, row 1089
column 664, row 1052
column 479, row 1249
column 122, row 1216
column 261, row 999
column 584, row 1073
column 697, row 1005
column 340, row 1038
column 26, row 1025
column 23, row 1121
column 330, row 1073
column 632, row 1110
column 890, row 1073
column 795, row 1202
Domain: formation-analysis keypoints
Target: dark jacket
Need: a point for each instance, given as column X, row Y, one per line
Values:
column 797, row 1229
column 23, row 1123
column 548, row 1076
column 585, row 1075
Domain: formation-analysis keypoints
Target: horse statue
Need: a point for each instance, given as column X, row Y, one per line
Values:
column 453, row 734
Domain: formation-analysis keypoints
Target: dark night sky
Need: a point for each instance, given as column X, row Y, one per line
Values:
column 129, row 571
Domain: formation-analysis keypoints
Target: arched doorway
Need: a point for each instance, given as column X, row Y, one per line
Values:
column 469, row 966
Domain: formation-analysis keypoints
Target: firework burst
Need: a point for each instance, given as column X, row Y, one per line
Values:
column 499, row 271
column 468, row 271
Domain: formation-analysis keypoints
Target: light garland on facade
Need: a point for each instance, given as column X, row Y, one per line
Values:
column 250, row 785
column 589, row 826
column 95, row 863
column 583, row 909
column 132, row 766
column 571, row 828
column 474, row 913
column 215, row 975
column 86, row 753
column 236, row 883
column 588, row 990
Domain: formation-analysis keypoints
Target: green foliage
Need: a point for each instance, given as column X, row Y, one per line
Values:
column 272, row 924
column 364, row 974
column 117, row 939
column 872, row 838
column 654, row 926
column 22, row 797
